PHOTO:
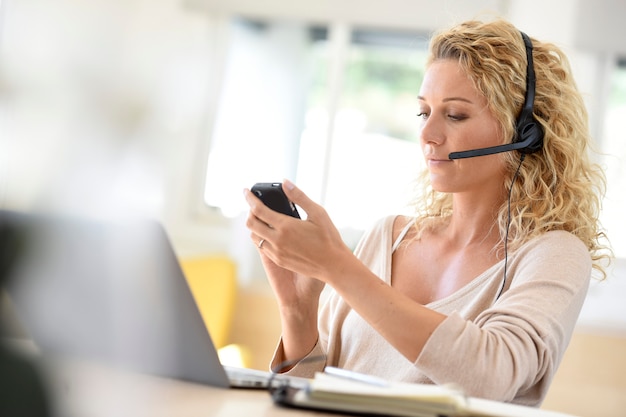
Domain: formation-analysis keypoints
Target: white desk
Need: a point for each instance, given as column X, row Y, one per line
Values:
column 89, row 390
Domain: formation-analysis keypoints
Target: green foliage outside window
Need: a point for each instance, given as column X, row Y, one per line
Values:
column 382, row 83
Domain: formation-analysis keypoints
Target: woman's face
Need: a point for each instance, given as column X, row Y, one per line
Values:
column 454, row 117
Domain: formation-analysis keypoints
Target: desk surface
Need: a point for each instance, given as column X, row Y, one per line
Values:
column 90, row 390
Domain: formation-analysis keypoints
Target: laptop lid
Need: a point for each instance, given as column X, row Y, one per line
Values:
column 110, row 291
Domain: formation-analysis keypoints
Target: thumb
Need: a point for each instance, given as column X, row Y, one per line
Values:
column 295, row 195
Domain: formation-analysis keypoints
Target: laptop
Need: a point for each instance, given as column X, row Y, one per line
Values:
column 113, row 292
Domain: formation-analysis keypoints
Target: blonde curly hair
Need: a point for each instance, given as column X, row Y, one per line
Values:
column 557, row 188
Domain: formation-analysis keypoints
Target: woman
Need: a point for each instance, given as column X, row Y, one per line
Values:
column 483, row 287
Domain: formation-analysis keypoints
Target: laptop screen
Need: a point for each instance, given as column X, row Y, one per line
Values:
column 110, row 291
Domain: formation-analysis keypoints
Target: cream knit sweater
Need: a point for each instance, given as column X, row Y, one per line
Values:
column 506, row 350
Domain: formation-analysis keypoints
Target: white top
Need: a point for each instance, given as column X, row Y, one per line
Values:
column 505, row 350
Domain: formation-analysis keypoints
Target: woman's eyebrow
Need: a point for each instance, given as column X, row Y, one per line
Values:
column 449, row 99
column 458, row 99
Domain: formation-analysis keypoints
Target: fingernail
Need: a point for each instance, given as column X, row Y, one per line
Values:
column 290, row 186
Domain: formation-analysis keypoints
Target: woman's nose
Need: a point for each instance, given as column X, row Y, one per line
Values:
column 430, row 131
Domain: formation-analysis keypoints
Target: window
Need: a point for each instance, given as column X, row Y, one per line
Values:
column 615, row 161
column 259, row 113
column 374, row 155
column 332, row 107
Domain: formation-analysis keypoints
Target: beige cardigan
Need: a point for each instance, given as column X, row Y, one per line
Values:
column 506, row 350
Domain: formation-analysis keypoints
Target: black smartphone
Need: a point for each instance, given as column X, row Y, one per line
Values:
column 273, row 196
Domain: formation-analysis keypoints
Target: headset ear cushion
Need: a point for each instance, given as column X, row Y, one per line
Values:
column 530, row 132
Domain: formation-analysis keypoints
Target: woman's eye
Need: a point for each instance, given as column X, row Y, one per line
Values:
column 422, row 115
column 457, row 117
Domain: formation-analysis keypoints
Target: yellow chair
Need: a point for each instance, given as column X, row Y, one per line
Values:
column 213, row 282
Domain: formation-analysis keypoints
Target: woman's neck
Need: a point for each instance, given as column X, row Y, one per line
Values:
column 473, row 221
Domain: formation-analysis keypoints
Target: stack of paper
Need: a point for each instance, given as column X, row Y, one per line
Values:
column 345, row 391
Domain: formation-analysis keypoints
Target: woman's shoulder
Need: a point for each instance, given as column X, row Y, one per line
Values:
column 559, row 239
column 400, row 223
column 387, row 223
column 391, row 225
column 555, row 249
column 384, row 230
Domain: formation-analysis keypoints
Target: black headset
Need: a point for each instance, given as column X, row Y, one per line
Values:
column 528, row 132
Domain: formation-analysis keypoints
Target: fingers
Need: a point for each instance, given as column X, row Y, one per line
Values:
column 262, row 244
column 260, row 220
column 259, row 231
column 298, row 197
column 259, row 210
column 278, row 230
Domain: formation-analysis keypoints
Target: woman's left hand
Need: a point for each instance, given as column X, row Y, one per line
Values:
column 311, row 247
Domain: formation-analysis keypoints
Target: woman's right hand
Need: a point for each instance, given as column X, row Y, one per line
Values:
column 297, row 295
column 298, row 302
column 293, row 291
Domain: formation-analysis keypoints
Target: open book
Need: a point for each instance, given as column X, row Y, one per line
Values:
column 349, row 392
